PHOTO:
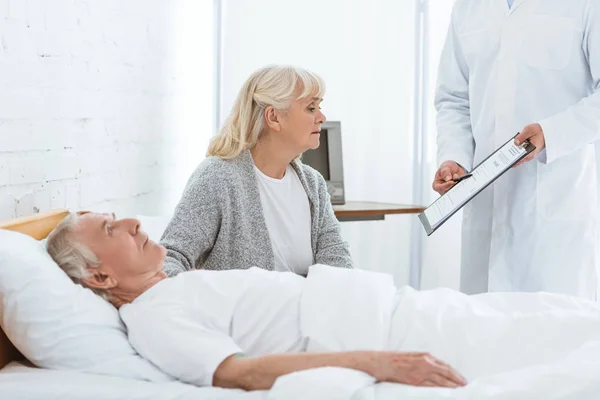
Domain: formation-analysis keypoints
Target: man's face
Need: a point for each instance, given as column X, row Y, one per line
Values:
column 128, row 259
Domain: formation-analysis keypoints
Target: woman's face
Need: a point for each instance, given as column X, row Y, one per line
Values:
column 301, row 124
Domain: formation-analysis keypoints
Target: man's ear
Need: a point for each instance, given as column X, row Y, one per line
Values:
column 98, row 279
column 272, row 118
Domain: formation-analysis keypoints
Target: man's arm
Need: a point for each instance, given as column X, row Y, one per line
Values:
column 578, row 126
column 187, row 345
column 455, row 137
column 260, row 373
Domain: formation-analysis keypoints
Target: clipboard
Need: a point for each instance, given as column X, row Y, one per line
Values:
column 483, row 175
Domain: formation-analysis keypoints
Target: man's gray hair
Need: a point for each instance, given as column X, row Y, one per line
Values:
column 72, row 256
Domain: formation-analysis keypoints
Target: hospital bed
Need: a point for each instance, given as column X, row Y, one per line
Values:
column 22, row 381
column 19, row 379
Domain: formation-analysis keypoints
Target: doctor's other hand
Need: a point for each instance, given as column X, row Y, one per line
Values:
column 535, row 134
column 444, row 176
column 417, row 369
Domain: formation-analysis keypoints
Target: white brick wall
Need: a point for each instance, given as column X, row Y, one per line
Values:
column 104, row 104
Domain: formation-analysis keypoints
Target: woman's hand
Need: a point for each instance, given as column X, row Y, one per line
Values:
column 417, row 369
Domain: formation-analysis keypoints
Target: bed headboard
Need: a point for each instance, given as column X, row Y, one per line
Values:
column 37, row 226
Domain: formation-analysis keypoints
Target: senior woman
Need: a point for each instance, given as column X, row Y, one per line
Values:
column 252, row 202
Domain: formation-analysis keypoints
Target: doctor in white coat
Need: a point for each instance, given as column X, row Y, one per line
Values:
column 528, row 66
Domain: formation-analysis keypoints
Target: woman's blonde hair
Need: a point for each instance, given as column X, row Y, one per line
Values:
column 275, row 86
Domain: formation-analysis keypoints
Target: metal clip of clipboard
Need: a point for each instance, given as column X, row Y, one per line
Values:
column 484, row 174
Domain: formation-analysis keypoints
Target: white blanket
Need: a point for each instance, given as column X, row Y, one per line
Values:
column 507, row 345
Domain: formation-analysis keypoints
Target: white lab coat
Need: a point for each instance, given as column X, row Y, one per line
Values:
column 536, row 228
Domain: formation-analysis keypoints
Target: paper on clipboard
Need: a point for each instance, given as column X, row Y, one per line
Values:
column 483, row 175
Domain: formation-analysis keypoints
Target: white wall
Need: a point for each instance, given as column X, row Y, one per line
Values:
column 108, row 105
column 104, row 105
column 364, row 51
column 441, row 251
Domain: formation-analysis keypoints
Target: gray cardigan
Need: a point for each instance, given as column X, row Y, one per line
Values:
column 219, row 223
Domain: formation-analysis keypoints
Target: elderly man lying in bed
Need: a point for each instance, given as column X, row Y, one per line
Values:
column 245, row 328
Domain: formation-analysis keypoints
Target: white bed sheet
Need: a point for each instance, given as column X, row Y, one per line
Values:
column 24, row 382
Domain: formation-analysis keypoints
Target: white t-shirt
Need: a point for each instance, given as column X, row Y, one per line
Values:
column 187, row 325
column 287, row 214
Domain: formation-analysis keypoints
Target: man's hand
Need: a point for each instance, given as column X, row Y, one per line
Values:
column 535, row 134
column 417, row 369
column 443, row 180
column 259, row 373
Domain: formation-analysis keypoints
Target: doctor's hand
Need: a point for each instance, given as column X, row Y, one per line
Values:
column 535, row 134
column 443, row 180
column 417, row 369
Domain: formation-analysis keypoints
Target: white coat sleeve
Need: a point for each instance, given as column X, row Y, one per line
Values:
column 180, row 341
column 579, row 125
column 455, row 137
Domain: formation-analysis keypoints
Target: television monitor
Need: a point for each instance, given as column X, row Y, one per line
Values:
column 327, row 159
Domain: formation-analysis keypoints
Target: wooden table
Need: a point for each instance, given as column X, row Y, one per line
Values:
column 372, row 211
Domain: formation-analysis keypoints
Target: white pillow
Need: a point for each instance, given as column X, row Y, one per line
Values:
column 58, row 324
column 154, row 226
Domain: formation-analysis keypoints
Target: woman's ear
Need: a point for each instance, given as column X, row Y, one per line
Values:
column 272, row 118
column 99, row 280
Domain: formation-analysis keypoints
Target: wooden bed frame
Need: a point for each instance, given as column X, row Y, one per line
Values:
column 37, row 226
